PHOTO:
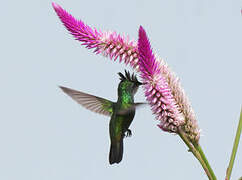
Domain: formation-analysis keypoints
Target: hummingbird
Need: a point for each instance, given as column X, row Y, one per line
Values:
column 121, row 112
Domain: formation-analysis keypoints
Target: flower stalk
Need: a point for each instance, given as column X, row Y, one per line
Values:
column 235, row 147
column 199, row 149
column 199, row 155
column 196, row 153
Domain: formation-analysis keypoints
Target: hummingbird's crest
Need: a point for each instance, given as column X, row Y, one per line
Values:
column 127, row 76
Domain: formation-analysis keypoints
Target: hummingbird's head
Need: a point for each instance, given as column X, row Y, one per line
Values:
column 129, row 83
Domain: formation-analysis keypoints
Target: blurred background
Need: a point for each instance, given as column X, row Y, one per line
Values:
column 45, row 135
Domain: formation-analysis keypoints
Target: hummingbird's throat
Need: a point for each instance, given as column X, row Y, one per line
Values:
column 127, row 98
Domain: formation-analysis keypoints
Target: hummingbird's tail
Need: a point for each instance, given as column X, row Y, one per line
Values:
column 116, row 152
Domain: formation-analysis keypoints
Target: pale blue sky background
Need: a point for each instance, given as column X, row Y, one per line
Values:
column 44, row 135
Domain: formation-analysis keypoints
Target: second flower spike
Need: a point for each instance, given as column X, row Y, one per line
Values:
column 164, row 93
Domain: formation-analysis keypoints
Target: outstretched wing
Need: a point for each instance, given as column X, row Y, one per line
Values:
column 93, row 103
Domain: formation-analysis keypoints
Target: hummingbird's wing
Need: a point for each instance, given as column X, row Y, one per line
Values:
column 93, row 103
column 132, row 107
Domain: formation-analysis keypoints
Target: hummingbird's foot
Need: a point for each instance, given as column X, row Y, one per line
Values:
column 128, row 133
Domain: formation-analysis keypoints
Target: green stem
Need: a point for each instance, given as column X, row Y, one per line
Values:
column 199, row 149
column 196, row 154
column 235, row 147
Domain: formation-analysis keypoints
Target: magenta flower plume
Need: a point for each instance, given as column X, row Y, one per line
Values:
column 163, row 89
column 164, row 93
column 78, row 29
column 158, row 92
column 107, row 43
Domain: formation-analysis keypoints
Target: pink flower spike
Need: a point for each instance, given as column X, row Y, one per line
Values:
column 164, row 93
column 81, row 32
column 151, row 74
column 109, row 44
column 148, row 65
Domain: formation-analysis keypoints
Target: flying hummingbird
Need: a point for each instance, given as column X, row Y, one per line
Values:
column 121, row 112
